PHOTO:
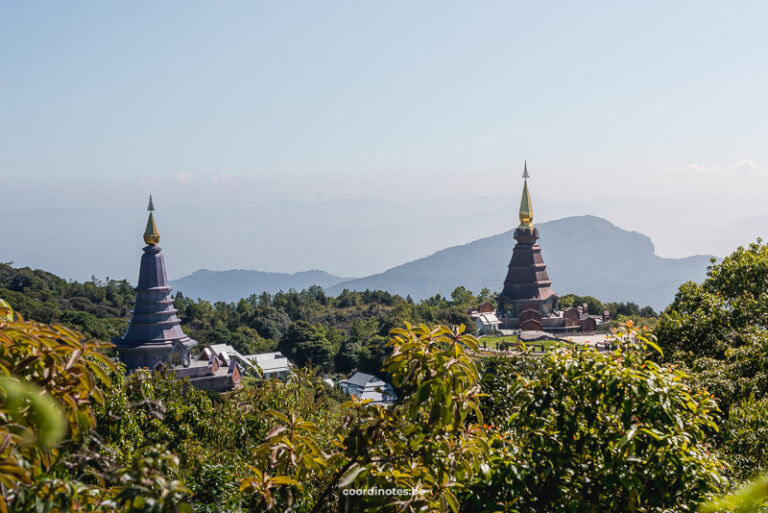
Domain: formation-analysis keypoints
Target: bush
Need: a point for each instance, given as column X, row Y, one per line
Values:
column 585, row 431
column 745, row 437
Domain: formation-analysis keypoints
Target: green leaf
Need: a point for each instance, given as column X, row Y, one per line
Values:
column 278, row 416
column 350, row 475
column 655, row 346
column 629, row 435
column 652, row 434
column 423, row 393
column 285, row 480
column 452, row 501
column 437, row 410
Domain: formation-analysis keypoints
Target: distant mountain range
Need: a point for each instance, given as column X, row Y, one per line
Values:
column 239, row 283
column 585, row 255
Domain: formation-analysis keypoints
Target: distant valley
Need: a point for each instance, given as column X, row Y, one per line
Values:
column 586, row 255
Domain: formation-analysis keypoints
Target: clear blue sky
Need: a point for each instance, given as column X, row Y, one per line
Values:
column 232, row 102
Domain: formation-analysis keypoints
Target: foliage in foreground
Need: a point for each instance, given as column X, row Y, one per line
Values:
column 717, row 331
column 585, row 431
column 567, row 431
column 52, row 381
column 432, row 440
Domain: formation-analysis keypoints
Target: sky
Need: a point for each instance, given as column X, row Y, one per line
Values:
column 331, row 115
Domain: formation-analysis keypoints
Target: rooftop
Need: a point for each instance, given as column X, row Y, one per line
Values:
column 361, row 379
column 487, row 318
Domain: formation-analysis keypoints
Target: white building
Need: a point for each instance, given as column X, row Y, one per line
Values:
column 487, row 323
column 367, row 386
column 272, row 365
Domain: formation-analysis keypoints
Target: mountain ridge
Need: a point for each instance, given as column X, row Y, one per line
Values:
column 585, row 255
column 233, row 284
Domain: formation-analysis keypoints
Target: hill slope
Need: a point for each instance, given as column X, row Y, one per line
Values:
column 239, row 283
column 585, row 255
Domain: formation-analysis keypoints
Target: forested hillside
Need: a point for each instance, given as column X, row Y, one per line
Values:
column 337, row 334
column 342, row 333
column 652, row 427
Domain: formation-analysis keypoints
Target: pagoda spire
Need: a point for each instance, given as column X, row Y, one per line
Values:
column 151, row 235
column 526, row 208
column 527, row 286
column 154, row 333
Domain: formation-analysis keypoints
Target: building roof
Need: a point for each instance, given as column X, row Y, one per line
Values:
column 361, row 379
column 274, row 365
column 269, row 362
column 368, row 386
column 223, row 349
column 196, row 369
column 265, row 356
column 488, row 319
column 376, row 397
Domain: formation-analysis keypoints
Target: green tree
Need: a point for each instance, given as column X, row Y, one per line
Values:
column 594, row 305
column 364, row 349
column 462, row 297
column 303, row 343
column 431, row 440
column 706, row 319
column 745, row 437
column 717, row 328
column 486, row 296
column 586, row 431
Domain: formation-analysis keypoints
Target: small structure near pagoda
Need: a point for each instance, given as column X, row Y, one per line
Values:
column 527, row 301
column 154, row 338
column 367, row 386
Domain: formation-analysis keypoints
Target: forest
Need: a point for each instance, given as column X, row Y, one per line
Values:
column 336, row 334
column 675, row 419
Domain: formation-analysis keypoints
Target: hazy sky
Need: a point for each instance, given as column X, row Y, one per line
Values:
column 652, row 114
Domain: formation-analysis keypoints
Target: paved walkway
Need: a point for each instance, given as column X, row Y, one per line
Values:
column 576, row 339
column 587, row 339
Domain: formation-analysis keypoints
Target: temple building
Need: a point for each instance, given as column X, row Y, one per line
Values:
column 527, row 301
column 154, row 338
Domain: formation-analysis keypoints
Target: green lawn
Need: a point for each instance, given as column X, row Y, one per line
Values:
column 493, row 342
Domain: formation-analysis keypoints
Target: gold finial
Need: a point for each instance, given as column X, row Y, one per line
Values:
column 526, row 208
column 151, row 235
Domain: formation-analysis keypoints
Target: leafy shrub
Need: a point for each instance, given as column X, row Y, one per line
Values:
column 745, row 437
column 430, row 439
column 585, row 431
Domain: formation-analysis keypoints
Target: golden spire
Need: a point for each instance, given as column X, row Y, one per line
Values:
column 526, row 209
column 151, row 235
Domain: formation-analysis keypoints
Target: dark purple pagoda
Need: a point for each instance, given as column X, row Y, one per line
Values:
column 154, row 334
column 527, row 293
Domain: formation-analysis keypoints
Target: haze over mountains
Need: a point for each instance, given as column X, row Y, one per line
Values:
column 585, row 255
column 238, row 283
column 353, row 237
